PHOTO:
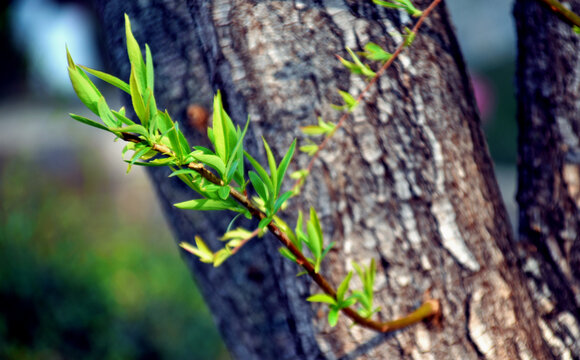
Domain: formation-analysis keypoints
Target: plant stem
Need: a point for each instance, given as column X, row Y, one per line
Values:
column 567, row 15
column 379, row 73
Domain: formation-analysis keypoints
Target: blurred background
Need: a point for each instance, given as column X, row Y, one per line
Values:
column 88, row 268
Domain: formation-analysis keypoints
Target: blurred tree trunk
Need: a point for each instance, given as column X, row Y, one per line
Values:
column 408, row 181
column 548, row 83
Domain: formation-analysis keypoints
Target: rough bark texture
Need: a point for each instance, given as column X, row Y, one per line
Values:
column 408, row 181
column 548, row 82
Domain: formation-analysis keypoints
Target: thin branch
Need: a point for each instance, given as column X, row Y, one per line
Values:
column 564, row 13
column 371, row 83
column 243, row 242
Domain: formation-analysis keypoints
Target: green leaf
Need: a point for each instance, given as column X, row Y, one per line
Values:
column 327, row 249
column 349, row 100
column 287, row 254
column 263, row 174
column 313, row 130
column 115, row 81
column 219, row 133
column 204, row 205
column 138, row 129
column 364, row 69
column 221, row 256
column 376, row 53
column 182, row 172
column 264, row 222
column 137, row 156
column 137, row 100
column 202, row 250
column 281, row 171
column 183, row 144
column 409, row 37
column 281, row 200
column 89, row 122
column 224, row 192
column 316, row 222
column 167, row 125
column 210, row 160
column 238, row 233
column 236, row 160
column 322, row 298
column 259, row 186
column 343, row 287
column 135, row 58
column 333, row 317
column 106, row 115
column 310, row 149
column 84, row 89
column 273, row 167
column 122, row 118
column 350, row 301
column 149, row 69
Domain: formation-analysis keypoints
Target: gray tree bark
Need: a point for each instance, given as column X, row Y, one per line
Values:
column 408, row 181
column 549, row 173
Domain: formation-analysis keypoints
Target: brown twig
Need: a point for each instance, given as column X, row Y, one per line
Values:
column 371, row 83
column 243, row 242
column 565, row 14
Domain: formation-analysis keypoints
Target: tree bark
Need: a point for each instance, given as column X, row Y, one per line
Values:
column 408, row 181
column 549, row 173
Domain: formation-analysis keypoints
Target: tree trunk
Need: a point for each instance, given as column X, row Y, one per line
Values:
column 549, row 171
column 408, row 181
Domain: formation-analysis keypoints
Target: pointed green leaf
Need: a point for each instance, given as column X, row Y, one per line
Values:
column 106, row 115
column 135, row 58
column 149, row 69
column 84, row 89
column 113, row 80
column 218, row 128
column 122, row 118
column 287, row 254
column 349, row 100
column 333, row 317
column 313, row 130
column 210, row 160
column 264, row 222
column 343, row 287
column 224, row 192
column 89, row 122
column 281, row 171
column 310, row 149
column 137, row 100
column 220, row 257
column 263, row 174
column 376, row 53
column 259, row 186
column 138, row 129
column 281, row 200
column 204, row 205
column 322, row 298
column 273, row 167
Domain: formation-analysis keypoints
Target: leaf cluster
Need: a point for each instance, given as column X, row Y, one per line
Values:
column 341, row 301
column 313, row 238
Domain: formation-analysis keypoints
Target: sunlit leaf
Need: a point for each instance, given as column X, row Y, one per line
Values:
column 115, row 81
column 322, row 298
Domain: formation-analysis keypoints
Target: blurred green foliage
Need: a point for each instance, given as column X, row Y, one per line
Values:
column 80, row 278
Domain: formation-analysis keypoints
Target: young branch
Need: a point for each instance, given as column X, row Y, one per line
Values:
column 371, row 83
column 567, row 15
